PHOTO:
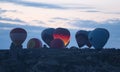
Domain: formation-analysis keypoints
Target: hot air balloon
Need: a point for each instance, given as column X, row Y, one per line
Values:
column 99, row 37
column 47, row 35
column 62, row 34
column 88, row 42
column 57, row 43
column 34, row 43
column 81, row 37
column 18, row 36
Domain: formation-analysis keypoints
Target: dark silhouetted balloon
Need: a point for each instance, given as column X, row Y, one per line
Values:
column 62, row 34
column 81, row 37
column 34, row 43
column 88, row 42
column 99, row 37
column 57, row 43
column 47, row 35
column 18, row 36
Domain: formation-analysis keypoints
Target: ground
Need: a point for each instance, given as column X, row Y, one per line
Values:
column 61, row 60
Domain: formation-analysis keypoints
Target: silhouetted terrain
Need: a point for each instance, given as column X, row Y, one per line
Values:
column 61, row 60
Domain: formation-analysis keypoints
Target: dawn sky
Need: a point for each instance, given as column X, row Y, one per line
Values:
column 71, row 14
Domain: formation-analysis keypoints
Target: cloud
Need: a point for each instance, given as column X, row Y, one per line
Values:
column 51, row 21
column 94, row 24
column 33, row 4
column 13, row 20
column 60, row 18
column 77, row 6
column 5, row 28
column 28, row 28
column 92, row 11
column 30, row 13
column 83, row 7
column 2, row 11
column 39, row 21
column 50, row 6
column 55, row 19
column 118, row 13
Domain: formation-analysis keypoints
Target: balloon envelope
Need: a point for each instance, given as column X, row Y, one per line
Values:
column 99, row 37
column 62, row 34
column 57, row 43
column 81, row 37
column 88, row 42
column 34, row 43
column 18, row 35
column 47, row 35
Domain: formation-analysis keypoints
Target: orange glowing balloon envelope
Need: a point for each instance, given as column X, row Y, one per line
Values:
column 57, row 43
column 34, row 43
column 18, row 35
column 62, row 34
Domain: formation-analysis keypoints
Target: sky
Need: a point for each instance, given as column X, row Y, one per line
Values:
column 37, row 15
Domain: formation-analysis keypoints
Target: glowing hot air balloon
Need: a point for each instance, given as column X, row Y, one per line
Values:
column 47, row 35
column 99, row 37
column 18, row 36
column 81, row 37
column 57, row 43
column 62, row 34
column 34, row 43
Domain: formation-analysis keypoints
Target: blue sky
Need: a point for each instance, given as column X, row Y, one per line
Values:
column 36, row 15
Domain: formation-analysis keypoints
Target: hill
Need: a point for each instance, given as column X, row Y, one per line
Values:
column 61, row 60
